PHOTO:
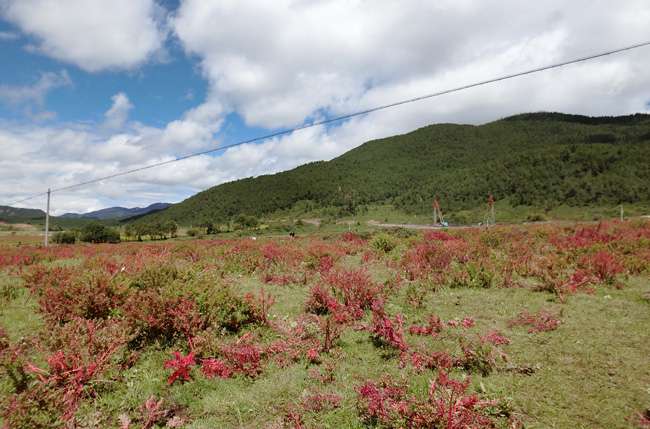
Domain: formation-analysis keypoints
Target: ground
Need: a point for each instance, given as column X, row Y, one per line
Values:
column 585, row 364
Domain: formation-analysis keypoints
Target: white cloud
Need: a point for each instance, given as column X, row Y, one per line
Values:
column 116, row 116
column 92, row 34
column 35, row 93
column 283, row 62
column 279, row 62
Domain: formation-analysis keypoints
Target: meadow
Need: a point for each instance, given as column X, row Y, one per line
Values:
column 524, row 326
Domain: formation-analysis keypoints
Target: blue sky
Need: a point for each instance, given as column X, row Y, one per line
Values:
column 87, row 89
column 161, row 91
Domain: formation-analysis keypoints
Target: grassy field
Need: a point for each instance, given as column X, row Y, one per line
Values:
column 296, row 327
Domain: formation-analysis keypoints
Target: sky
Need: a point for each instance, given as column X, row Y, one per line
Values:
column 89, row 88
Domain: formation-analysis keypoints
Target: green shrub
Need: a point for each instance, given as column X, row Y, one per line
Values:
column 383, row 242
column 193, row 232
column 157, row 276
column 246, row 221
column 536, row 217
column 224, row 309
column 97, row 233
column 64, row 237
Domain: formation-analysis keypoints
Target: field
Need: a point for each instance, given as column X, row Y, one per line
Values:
column 536, row 326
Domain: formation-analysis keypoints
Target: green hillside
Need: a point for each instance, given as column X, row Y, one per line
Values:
column 537, row 160
column 16, row 215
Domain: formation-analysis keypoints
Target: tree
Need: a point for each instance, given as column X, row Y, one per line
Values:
column 65, row 237
column 95, row 232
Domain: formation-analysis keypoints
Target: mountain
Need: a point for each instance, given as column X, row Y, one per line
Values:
column 17, row 215
column 117, row 212
column 536, row 160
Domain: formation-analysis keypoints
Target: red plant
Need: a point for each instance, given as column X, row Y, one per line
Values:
column 318, row 402
column 260, row 305
column 387, row 331
column 604, row 266
column 496, row 338
column 382, row 402
column 215, row 367
column 182, row 366
column 449, row 407
column 439, row 235
column 541, row 321
column 434, row 360
column 313, row 356
column 583, row 237
column 153, row 412
column 467, row 322
column 434, row 327
column 87, row 349
column 243, row 358
column 321, row 301
column 354, row 288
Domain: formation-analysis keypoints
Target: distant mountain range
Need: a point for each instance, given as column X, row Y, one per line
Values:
column 117, row 212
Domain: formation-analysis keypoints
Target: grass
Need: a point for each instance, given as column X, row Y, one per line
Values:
column 592, row 372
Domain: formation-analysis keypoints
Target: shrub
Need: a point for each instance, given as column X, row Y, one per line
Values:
column 536, row 217
column 64, row 237
column 83, row 352
column 387, row 404
column 98, row 233
column 388, row 331
column 383, row 243
column 193, row 232
column 246, row 221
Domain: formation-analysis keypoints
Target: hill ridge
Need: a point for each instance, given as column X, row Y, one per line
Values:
column 542, row 159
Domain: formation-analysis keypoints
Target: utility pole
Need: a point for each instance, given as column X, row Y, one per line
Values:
column 47, row 217
column 491, row 216
column 436, row 207
column 621, row 212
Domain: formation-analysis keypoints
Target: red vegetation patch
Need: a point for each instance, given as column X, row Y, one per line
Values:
column 447, row 406
column 318, row 402
column 542, row 321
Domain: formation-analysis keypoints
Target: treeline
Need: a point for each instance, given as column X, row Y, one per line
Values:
column 96, row 232
column 154, row 230
column 543, row 160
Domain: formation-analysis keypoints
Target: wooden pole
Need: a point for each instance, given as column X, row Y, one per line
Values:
column 47, row 218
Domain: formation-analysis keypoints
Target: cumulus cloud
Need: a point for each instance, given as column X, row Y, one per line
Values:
column 35, row 93
column 285, row 62
column 116, row 116
column 278, row 63
column 92, row 34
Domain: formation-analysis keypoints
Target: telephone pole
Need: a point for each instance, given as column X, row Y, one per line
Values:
column 621, row 212
column 47, row 217
column 437, row 213
column 491, row 217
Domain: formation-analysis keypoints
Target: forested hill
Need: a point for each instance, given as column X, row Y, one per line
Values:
column 538, row 159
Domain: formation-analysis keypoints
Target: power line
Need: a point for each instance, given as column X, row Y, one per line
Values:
column 342, row 118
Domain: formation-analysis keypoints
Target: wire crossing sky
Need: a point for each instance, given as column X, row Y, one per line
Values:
column 160, row 81
column 344, row 117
